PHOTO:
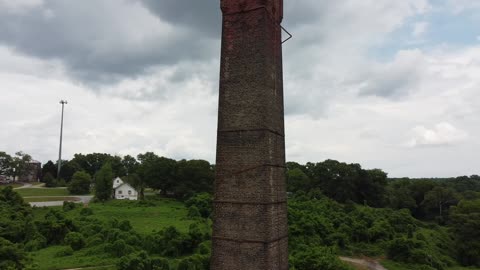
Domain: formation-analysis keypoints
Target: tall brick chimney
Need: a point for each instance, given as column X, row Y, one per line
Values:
column 250, row 205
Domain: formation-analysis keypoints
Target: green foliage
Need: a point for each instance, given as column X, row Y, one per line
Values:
column 340, row 181
column 66, row 251
column 49, row 169
column 157, row 172
column 201, row 202
column 55, row 226
column 119, row 248
column 86, row 211
column 104, row 183
column 5, row 163
column 141, row 261
column 49, row 180
column 465, row 220
column 68, row 206
column 15, row 217
column 297, row 180
column 80, row 183
column 11, row 255
column 193, row 212
column 413, row 251
column 439, row 198
column 75, row 240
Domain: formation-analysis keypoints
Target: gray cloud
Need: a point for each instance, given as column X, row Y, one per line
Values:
column 202, row 17
column 103, row 41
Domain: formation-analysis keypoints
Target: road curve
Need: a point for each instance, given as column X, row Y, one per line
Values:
column 81, row 199
column 370, row 264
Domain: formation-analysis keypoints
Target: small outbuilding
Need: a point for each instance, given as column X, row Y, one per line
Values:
column 123, row 191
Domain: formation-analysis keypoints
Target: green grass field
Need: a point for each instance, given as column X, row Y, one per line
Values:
column 29, row 192
column 144, row 219
column 10, row 185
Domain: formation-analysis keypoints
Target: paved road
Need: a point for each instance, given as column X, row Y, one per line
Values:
column 29, row 185
column 79, row 199
column 371, row 264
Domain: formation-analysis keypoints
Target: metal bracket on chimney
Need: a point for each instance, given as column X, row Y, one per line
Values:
column 289, row 35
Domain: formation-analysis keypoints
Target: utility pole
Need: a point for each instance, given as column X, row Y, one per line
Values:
column 63, row 102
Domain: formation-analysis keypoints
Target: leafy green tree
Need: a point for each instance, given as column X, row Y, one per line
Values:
column 104, row 183
column 49, row 168
column 130, row 164
column 202, row 202
column 157, row 172
column 439, row 198
column 5, row 163
column 69, row 168
column 49, row 180
column 20, row 165
column 80, row 183
column 297, row 180
column 465, row 223
column 12, row 255
column 91, row 163
column 193, row 176
column 75, row 240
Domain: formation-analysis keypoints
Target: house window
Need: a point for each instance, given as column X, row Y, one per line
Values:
column 119, row 192
column 129, row 192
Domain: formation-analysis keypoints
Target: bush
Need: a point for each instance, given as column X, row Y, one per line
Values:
column 119, row 248
column 203, row 203
column 312, row 258
column 66, row 251
column 193, row 212
column 125, row 226
column 80, row 183
column 75, row 240
column 86, row 211
column 68, row 206
column 35, row 244
column 11, row 255
column 135, row 261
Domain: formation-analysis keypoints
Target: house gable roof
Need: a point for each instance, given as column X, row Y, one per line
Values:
column 125, row 184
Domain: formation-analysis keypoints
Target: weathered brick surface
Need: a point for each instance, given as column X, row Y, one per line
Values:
column 250, row 211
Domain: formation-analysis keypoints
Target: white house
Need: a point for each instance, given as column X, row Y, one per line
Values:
column 124, row 191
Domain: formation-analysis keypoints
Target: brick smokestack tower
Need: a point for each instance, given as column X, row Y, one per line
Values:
column 250, row 206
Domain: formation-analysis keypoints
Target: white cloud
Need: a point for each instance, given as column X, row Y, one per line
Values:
column 419, row 29
column 440, row 135
column 458, row 6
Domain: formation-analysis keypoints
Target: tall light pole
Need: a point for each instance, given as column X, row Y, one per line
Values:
column 63, row 102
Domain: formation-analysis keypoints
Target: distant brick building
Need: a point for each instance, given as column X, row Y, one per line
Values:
column 33, row 172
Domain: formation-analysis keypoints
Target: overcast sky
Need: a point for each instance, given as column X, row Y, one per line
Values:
column 385, row 83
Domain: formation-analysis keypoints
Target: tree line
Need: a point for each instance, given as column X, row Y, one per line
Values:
column 179, row 179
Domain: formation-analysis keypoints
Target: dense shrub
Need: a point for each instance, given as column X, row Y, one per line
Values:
column 203, row 203
column 141, row 261
column 66, row 251
column 11, row 255
column 75, row 240
column 86, row 211
column 80, row 183
column 68, row 206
